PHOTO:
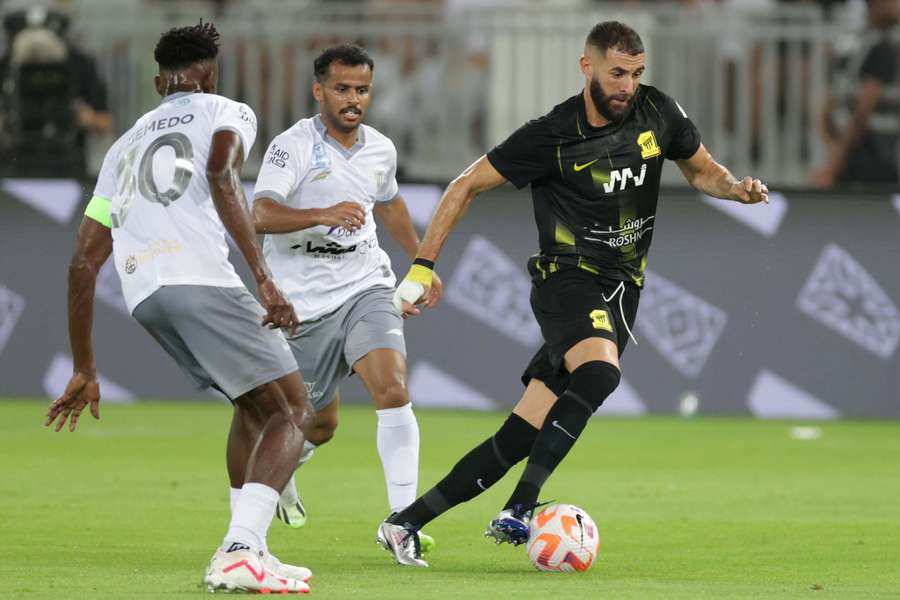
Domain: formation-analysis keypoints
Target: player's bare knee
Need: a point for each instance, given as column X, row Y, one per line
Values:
column 393, row 395
column 322, row 432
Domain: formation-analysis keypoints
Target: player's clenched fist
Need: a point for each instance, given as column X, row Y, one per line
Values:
column 414, row 287
column 751, row 191
column 349, row 215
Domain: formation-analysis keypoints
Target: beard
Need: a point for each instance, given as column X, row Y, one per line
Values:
column 603, row 103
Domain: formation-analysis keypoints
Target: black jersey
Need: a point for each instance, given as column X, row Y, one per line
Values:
column 595, row 188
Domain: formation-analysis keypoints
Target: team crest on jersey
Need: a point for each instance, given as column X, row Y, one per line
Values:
column 319, row 158
column 600, row 320
column 649, row 147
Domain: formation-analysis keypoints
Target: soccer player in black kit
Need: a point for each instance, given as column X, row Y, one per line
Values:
column 594, row 164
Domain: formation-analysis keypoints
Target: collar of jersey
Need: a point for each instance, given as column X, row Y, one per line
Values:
column 345, row 152
column 175, row 95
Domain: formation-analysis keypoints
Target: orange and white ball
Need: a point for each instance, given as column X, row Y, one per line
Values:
column 563, row 538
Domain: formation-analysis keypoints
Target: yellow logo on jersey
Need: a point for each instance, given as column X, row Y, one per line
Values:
column 649, row 147
column 600, row 320
column 585, row 165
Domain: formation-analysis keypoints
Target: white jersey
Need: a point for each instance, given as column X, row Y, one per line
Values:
column 165, row 228
column 322, row 267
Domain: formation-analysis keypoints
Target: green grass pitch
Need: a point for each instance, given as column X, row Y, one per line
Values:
column 134, row 505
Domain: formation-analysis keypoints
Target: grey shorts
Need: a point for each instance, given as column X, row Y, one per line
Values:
column 216, row 336
column 327, row 348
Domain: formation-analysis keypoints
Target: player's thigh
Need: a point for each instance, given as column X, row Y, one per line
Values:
column 577, row 322
column 152, row 317
column 535, row 403
column 223, row 329
column 591, row 349
column 383, row 372
column 374, row 345
column 317, row 348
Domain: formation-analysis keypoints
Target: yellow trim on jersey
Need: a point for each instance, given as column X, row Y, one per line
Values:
column 98, row 210
column 564, row 235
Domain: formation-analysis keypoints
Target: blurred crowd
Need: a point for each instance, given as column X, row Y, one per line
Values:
column 52, row 96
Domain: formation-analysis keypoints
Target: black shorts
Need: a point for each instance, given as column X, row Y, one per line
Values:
column 571, row 305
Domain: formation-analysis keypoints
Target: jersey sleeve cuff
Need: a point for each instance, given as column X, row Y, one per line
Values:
column 276, row 196
column 98, row 210
column 245, row 147
column 498, row 163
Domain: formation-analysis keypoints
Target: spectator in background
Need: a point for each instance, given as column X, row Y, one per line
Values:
column 861, row 121
column 51, row 97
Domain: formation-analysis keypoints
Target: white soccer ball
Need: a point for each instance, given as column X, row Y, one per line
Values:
column 563, row 538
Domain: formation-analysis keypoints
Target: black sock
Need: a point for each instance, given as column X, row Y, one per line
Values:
column 589, row 385
column 475, row 472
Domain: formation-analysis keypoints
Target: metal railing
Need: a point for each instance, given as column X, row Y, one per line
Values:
column 450, row 85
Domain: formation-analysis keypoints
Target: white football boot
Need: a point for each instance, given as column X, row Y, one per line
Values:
column 271, row 562
column 243, row 571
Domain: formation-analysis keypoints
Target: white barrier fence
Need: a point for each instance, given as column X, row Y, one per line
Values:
column 450, row 84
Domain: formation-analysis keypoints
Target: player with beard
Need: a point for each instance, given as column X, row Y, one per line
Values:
column 321, row 183
column 594, row 164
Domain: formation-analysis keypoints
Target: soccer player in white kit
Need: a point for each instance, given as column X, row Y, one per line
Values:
column 320, row 184
column 168, row 190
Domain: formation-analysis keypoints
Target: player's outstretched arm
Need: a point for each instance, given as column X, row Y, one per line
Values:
column 92, row 248
column 480, row 177
column 713, row 179
column 223, row 172
column 271, row 216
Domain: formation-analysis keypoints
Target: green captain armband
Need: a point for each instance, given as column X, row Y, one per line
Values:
column 98, row 210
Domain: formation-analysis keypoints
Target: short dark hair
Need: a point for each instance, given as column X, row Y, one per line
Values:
column 181, row 47
column 348, row 54
column 613, row 34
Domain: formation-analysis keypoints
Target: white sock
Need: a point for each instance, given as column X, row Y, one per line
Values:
column 289, row 495
column 398, row 446
column 251, row 517
column 234, row 493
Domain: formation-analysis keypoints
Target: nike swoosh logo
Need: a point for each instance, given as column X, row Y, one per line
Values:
column 479, row 484
column 395, row 332
column 585, row 165
column 556, row 424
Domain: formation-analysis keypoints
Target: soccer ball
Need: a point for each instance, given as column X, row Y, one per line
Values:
column 563, row 538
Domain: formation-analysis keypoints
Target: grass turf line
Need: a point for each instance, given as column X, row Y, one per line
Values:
column 135, row 504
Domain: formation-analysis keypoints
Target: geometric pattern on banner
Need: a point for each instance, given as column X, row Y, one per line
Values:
column 773, row 397
column 682, row 327
column 109, row 287
column 421, row 200
column 763, row 218
column 844, row 297
column 60, row 371
column 11, row 307
column 624, row 401
column 56, row 198
column 432, row 387
column 489, row 286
